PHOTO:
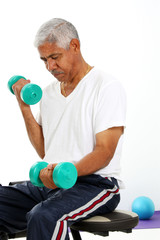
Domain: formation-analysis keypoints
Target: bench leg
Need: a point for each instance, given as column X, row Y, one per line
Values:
column 75, row 234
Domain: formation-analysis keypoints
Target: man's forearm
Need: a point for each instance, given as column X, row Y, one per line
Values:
column 34, row 131
column 106, row 143
column 93, row 162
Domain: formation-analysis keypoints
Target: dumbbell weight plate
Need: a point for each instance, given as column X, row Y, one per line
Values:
column 31, row 94
column 34, row 173
column 65, row 175
column 13, row 80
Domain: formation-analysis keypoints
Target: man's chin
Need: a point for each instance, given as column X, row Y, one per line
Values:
column 59, row 77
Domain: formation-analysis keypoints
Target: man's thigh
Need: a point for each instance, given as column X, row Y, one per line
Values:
column 91, row 195
column 15, row 202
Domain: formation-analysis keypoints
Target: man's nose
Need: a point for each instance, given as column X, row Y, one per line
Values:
column 51, row 64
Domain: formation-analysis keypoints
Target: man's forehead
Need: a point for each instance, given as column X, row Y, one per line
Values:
column 47, row 49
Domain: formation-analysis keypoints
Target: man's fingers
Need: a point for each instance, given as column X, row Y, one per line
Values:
column 50, row 167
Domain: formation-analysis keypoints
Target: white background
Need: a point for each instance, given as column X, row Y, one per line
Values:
column 121, row 37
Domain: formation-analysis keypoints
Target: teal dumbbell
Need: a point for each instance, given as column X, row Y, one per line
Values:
column 64, row 174
column 30, row 93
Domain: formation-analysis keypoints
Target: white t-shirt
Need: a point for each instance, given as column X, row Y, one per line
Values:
column 70, row 123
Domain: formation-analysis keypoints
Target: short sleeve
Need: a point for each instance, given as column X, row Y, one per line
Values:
column 111, row 107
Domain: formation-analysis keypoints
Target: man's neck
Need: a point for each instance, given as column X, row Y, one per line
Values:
column 68, row 87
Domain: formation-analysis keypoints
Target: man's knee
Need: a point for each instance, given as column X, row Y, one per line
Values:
column 40, row 214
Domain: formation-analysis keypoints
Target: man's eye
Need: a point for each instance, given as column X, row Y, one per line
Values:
column 54, row 58
column 44, row 60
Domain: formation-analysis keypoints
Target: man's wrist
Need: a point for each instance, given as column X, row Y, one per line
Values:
column 24, row 107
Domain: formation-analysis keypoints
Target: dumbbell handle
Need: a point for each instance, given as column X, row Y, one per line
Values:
column 30, row 93
column 64, row 174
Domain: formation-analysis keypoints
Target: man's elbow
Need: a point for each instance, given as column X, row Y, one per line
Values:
column 41, row 154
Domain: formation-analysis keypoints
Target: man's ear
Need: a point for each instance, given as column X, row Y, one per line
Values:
column 75, row 45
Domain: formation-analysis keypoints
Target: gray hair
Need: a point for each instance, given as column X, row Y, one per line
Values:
column 58, row 31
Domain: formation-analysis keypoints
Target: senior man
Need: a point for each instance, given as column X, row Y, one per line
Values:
column 81, row 120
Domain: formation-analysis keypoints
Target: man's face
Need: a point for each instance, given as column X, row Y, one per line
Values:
column 59, row 62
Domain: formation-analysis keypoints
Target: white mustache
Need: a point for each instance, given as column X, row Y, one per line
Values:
column 53, row 72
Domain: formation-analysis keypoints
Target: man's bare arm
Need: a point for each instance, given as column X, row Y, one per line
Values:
column 34, row 130
column 100, row 157
column 106, row 143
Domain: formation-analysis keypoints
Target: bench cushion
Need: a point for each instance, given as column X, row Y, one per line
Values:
column 115, row 221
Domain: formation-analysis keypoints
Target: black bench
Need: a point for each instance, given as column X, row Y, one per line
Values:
column 123, row 221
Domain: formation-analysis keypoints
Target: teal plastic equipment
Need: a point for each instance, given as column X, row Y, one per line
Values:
column 64, row 174
column 13, row 80
column 30, row 93
column 34, row 173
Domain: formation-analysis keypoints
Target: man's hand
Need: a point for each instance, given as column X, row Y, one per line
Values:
column 17, row 87
column 46, row 176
